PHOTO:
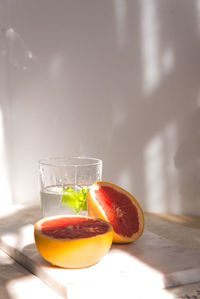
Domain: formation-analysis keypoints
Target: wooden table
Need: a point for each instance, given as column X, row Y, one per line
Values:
column 18, row 282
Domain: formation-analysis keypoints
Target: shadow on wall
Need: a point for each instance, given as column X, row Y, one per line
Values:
column 152, row 121
column 187, row 161
column 115, row 80
column 153, row 118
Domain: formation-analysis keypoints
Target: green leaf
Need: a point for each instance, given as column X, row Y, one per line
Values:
column 75, row 200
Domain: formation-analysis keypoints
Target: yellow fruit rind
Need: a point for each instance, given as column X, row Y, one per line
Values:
column 73, row 253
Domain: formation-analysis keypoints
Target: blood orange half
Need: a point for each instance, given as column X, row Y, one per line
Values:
column 120, row 208
column 72, row 241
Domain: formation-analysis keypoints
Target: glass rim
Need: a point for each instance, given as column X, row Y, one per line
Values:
column 53, row 161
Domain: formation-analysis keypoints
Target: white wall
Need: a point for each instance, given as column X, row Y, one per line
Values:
column 5, row 119
column 118, row 80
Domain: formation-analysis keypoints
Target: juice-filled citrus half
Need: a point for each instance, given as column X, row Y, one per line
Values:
column 120, row 208
column 72, row 241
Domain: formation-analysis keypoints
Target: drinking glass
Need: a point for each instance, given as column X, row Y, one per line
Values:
column 65, row 182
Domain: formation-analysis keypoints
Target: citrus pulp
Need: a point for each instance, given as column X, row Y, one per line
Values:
column 120, row 208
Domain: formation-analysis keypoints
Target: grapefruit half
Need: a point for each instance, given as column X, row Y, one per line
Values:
column 72, row 241
column 120, row 208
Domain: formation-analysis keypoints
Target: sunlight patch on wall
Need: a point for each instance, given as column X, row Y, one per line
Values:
column 56, row 66
column 171, row 145
column 198, row 100
column 116, row 120
column 150, row 45
column 198, row 15
column 118, row 113
column 5, row 193
column 167, row 61
column 120, row 8
column 155, row 63
column 161, row 175
column 154, row 174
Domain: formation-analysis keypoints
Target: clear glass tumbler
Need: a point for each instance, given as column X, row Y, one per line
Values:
column 65, row 182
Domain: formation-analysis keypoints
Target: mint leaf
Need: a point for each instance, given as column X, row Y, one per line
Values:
column 75, row 200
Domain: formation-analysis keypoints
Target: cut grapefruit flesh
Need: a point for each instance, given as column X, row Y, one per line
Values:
column 72, row 241
column 118, row 207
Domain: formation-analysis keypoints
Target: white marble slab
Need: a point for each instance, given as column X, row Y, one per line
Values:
column 146, row 266
column 18, row 283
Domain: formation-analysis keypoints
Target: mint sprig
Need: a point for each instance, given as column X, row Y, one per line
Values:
column 75, row 200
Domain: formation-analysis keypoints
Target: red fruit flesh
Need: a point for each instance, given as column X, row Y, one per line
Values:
column 73, row 228
column 119, row 210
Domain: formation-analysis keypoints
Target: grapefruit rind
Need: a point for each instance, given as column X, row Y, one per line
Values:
column 72, row 253
column 96, row 210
